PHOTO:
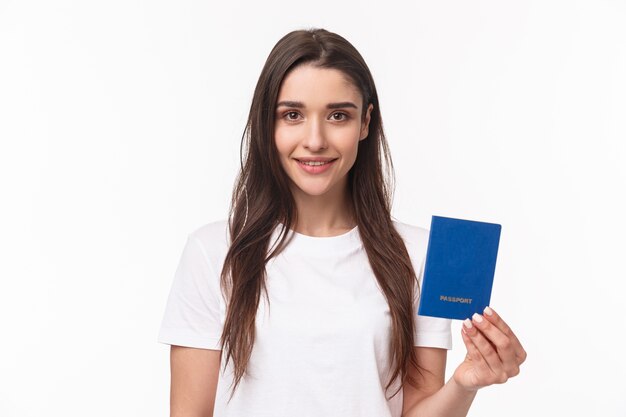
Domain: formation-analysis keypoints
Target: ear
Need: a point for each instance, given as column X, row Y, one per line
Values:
column 366, row 123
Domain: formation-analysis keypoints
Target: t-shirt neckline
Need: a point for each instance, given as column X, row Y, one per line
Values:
column 331, row 245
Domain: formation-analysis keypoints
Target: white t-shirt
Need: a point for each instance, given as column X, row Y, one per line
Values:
column 322, row 347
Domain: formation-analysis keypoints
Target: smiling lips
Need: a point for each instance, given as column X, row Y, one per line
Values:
column 315, row 165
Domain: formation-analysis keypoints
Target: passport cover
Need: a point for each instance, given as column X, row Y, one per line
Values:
column 459, row 268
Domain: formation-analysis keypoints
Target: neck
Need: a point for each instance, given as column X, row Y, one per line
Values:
column 329, row 214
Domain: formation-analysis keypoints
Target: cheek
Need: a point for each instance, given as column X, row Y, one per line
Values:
column 281, row 139
column 281, row 144
column 347, row 141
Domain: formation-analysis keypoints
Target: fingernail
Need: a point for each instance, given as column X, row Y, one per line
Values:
column 467, row 323
column 488, row 311
column 477, row 317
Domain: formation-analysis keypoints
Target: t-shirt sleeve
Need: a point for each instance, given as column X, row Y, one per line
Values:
column 192, row 315
column 431, row 331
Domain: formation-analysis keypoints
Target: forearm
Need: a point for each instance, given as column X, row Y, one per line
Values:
column 451, row 400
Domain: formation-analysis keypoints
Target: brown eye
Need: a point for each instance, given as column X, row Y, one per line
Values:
column 291, row 113
column 344, row 116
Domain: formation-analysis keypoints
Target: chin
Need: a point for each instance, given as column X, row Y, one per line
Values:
column 312, row 191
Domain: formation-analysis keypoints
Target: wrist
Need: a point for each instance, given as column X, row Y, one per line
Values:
column 461, row 389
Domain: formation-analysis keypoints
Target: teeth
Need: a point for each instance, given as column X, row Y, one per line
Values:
column 314, row 163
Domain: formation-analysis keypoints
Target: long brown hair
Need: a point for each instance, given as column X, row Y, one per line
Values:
column 262, row 199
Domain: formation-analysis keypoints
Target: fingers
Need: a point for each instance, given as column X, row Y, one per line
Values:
column 482, row 368
column 495, row 372
column 493, row 344
column 501, row 347
column 495, row 319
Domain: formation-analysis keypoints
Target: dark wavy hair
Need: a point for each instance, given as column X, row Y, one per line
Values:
column 370, row 184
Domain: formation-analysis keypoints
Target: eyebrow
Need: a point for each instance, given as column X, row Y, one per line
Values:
column 300, row 105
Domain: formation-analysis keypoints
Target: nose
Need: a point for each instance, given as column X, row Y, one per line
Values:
column 315, row 139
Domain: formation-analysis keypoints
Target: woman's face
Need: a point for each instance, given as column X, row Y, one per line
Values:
column 318, row 118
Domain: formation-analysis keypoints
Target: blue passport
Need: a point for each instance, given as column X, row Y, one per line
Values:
column 459, row 268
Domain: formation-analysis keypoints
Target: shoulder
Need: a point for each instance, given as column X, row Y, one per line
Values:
column 213, row 238
column 215, row 230
column 415, row 237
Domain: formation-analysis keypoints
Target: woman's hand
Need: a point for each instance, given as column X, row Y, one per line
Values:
column 494, row 354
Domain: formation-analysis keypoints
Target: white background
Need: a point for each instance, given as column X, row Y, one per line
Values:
column 120, row 124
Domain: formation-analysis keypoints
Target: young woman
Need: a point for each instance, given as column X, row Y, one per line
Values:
column 303, row 302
